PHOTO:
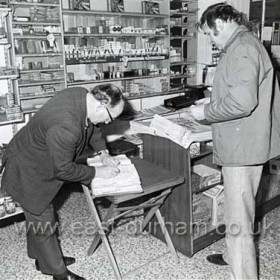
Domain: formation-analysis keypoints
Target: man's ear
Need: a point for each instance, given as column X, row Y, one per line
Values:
column 220, row 25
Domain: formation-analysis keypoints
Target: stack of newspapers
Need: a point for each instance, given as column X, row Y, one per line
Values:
column 182, row 131
column 127, row 181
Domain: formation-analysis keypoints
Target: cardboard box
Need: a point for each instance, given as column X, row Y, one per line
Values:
column 116, row 6
column 79, row 4
column 150, row 7
column 207, row 175
column 216, row 196
column 274, row 166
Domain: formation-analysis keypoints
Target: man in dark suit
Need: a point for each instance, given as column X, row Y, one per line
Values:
column 43, row 155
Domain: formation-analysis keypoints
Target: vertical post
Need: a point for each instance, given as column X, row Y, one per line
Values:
column 263, row 18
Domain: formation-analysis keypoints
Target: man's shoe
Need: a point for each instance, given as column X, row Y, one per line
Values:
column 216, row 259
column 68, row 275
column 67, row 261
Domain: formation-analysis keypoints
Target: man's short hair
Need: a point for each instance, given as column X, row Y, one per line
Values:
column 222, row 11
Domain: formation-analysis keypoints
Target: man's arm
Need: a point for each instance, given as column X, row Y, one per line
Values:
column 62, row 143
column 241, row 97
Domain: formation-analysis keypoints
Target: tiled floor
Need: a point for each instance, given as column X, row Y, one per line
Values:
column 140, row 258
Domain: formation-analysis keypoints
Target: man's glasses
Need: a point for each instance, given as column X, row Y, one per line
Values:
column 109, row 114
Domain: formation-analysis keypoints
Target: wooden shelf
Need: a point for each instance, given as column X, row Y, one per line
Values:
column 40, row 83
column 111, row 59
column 75, row 83
column 182, row 38
column 112, row 35
column 5, row 122
column 112, row 14
column 26, row 71
column 205, row 151
column 34, row 23
column 182, row 13
column 39, row 54
column 182, row 76
column 8, row 77
column 183, row 62
column 36, row 37
column 22, row 4
column 37, row 96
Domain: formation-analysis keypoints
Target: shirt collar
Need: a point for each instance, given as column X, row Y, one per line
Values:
column 234, row 35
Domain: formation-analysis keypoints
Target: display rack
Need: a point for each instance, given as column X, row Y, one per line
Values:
column 130, row 49
column 38, row 45
column 183, row 43
column 266, row 14
column 10, row 110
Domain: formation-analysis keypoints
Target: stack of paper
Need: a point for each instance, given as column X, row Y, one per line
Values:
column 182, row 131
column 170, row 129
column 127, row 181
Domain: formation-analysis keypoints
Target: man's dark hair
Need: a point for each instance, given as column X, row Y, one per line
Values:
column 222, row 11
column 102, row 92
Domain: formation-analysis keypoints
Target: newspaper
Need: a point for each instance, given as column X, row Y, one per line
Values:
column 182, row 131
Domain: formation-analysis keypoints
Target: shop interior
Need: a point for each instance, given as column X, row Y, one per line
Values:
column 153, row 51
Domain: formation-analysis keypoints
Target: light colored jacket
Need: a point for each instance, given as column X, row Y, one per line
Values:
column 244, row 109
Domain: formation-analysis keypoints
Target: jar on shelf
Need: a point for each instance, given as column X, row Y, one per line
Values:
column 10, row 205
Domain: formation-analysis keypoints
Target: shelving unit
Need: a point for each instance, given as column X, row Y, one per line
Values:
column 10, row 110
column 189, row 235
column 183, row 43
column 130, row 49
column 266, row 14
column 38, row 45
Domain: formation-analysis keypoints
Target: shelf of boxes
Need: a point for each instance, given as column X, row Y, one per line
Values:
column 130, row 49
column 183, row 41
column 38, row 45
column 10, row 110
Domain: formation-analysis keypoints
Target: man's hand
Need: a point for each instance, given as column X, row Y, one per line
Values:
column 106, row 172
column 109, row 160
column 204, row 101
column 197, row 111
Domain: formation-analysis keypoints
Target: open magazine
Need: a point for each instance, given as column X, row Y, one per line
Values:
column 127, row 181
column 183, row 130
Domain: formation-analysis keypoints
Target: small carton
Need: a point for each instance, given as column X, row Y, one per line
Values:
column 150, row 7
column 216, row 195
column 207, row 175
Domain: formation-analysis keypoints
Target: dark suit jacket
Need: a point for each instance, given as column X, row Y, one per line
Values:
column 41, row 156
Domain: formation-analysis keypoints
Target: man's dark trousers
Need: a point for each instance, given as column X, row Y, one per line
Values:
column 42, row 241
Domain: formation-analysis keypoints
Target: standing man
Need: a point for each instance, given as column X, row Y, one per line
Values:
column 42, row 156
column 245, row 115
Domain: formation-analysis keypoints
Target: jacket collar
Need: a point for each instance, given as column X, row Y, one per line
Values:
column 235, row 34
